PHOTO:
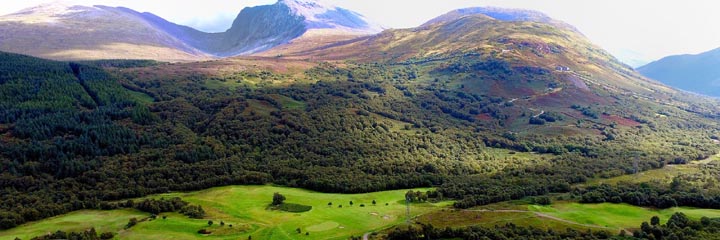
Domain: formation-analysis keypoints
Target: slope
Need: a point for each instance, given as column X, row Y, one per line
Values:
column 518, row 43
column 61, row 31
column 405, row 108
column 259, row 28
column 695, row 73
column 502, row 14
column 65, row 32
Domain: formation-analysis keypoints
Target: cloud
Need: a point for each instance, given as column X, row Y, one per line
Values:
column 213, row 23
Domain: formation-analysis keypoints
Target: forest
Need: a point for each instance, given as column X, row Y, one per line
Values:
column 79, row 135
column 697, row 189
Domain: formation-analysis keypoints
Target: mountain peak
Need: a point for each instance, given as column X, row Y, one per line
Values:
column 307, row 8
column 46, row 12
column 321, row 15
column 502, row 14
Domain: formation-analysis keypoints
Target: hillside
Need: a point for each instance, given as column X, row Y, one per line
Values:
column 429, row 106
column 260, row 28
column 502, row 14
column 518, row 43
column 695, row 73
column 60, row 31
column 66, row 32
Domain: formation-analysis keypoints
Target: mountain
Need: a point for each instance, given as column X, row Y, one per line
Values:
column 457, row 104
column 502, row 14
column 61, row 31
column 531, row 43
column 696, row 73
column 101, row 32
column 260, row 28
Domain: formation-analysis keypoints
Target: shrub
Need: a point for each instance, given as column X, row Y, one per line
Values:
column 293, row 207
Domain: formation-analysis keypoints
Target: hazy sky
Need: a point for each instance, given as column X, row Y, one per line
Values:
column 630, row 29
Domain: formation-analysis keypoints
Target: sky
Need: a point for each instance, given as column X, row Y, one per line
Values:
column 635, row 31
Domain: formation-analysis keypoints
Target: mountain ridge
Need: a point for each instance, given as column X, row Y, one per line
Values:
column 691, row 72
column 255, row 29
column 420, row 107
column 63, row 31
column 502, row 14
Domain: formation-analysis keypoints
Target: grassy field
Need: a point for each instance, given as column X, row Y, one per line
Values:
column 246, row 208
column 616, row 216
column 102, row 221
column 464, row 218
column 665, row 174
column 559, row 216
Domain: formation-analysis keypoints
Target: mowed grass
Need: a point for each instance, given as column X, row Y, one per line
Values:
column 246, row 209
column 102, row 221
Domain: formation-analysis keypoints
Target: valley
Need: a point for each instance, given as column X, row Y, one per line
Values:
column 308, row 121
column 243, row 211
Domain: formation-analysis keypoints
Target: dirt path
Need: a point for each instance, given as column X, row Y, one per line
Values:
column 541, row 113
column 365, row 236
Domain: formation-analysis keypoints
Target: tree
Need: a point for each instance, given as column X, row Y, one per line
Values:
column 421, row 196
column 410, row 196
column 107, row 235
column 210, row 222
column 655, row 220
column 645, row 227
column 131, row 223
column 351, row 203
column 141, row 115
column 330, row 204
column 679, row 219
column 192, row 211
column 374, row 202
column 222, row 223
column 278, row 199
column 298, row 230
column 542, row 200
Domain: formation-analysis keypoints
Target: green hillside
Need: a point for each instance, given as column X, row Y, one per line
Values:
column 242, row 211
column 426, row 107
